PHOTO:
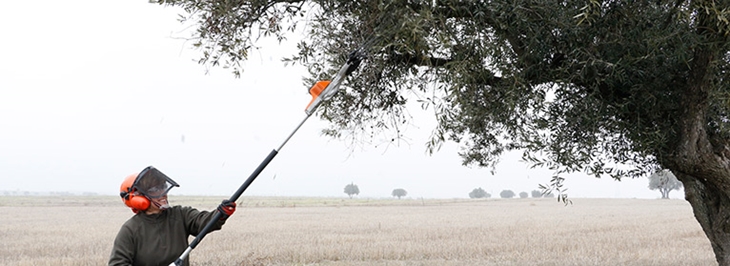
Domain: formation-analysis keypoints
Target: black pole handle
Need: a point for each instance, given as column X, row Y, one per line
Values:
column 233, row 198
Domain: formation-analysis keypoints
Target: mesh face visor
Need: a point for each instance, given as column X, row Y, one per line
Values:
column 153, row 183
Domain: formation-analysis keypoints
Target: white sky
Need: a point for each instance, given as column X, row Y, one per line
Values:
column 91, row 91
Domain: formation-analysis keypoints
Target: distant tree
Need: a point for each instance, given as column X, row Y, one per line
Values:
column 352, row 189
column 523, row 195
column 664, row 181
column 399, row 192
column 478, row 193
column 549, row 195
column 536, row 194
column 507, row 194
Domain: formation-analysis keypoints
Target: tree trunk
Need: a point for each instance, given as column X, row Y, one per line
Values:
column 711, row 207
column 702, row 163
column 701, row 159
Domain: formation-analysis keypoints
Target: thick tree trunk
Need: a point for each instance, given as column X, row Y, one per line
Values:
column 711, row 207
column 701, row 159
column 702, row 163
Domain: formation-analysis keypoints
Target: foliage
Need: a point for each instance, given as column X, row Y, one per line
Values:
column 610, row 88
column 399, row 192
column 543, row 77
column 507, row 194
column 352, row 189
column 665, row 182
column 478, row 193
column 523, row 195
column 536, row 194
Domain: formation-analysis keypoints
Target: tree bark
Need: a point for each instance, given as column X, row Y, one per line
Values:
column 711, row 207
column 700, row 162
column 700, row 158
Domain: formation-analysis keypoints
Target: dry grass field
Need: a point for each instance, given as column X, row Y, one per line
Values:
column 334, row 232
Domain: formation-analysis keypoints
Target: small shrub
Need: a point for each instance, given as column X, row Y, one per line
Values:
column 507, row 194
column 478, row 193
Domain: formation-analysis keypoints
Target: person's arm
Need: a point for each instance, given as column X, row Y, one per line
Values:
column 197, row 220
column 123, row 251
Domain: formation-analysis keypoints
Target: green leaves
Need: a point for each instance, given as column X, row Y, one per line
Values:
column 556, row 185
column 227, row 30
column 577, row 86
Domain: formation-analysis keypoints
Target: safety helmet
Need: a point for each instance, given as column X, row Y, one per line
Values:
column 137, row 189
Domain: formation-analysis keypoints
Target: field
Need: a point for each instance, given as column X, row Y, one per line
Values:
column 78, row 230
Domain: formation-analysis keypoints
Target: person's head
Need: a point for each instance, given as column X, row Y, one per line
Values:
column 147, row 191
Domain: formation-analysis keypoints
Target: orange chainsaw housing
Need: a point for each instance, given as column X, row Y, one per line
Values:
column 317, row 89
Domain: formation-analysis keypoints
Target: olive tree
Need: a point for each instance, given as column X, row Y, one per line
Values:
column 577, row 86
column 352, row 189
column 399, row 192
column 665, row 182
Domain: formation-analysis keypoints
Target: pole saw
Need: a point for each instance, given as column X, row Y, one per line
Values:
column 321, row 92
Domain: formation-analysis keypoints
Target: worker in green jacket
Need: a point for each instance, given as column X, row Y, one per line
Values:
column 158, row 234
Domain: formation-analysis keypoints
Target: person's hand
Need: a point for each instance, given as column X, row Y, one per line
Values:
column 227, row 208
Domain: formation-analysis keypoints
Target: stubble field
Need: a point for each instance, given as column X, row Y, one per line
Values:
column 335, row 232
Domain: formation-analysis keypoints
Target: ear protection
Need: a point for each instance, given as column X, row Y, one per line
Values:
column 127, row 192
column 137, row 189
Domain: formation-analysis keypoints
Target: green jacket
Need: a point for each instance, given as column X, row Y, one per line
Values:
column 158, row 239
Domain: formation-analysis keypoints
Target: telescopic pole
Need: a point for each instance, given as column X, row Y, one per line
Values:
column 352, row 63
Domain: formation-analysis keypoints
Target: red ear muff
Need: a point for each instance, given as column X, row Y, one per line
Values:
column 127, row 191
column 151, row 181
column 140, row 203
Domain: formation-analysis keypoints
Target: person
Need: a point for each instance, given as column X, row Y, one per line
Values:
column 158, row 233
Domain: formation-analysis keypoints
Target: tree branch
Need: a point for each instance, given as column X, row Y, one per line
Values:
column 412, row 59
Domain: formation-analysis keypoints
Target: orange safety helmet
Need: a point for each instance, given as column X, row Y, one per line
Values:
column 127, row 192
column 137, row 189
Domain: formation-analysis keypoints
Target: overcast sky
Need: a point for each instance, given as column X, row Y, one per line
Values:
column 92, row 91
